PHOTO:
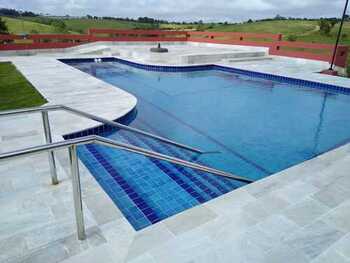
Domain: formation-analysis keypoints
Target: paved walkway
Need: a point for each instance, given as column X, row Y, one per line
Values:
column 298, row 215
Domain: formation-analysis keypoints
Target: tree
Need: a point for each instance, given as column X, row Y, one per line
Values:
column 60, row 26
column 325, row 26
column 3, row 27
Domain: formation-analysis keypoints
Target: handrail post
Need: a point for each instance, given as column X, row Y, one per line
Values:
column 48, row 137
column 78, row 205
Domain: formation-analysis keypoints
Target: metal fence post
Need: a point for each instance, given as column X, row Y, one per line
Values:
column 48, row 138
column 78, row 205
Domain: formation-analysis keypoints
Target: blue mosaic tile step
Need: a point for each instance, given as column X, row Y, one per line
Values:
column 147, row 190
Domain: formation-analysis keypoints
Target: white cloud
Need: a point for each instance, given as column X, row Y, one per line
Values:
column 215, row 10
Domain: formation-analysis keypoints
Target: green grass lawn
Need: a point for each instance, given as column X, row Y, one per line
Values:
column 15, row 91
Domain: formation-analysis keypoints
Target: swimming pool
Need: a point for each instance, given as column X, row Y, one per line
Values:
column 253, row 127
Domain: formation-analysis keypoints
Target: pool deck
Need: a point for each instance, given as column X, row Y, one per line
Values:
column 298, row 215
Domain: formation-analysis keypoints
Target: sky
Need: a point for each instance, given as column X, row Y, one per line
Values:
column 183, row 10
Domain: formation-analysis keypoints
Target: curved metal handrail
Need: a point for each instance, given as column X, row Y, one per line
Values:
column 122, row 146
column 72, row 144
column 98, row 119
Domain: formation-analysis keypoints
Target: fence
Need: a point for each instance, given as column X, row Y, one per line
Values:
column 136, row 35
column 234, row 38
column 314, row 51
column 322, row 52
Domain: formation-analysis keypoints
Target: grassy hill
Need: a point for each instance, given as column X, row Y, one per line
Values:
column 301, row 30
column 82, row 25
column 277, row 26
column 18, row 26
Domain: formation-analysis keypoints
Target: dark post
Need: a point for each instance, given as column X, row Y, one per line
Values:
column 338, row 36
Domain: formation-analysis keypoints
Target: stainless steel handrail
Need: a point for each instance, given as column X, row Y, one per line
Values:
column 74, row 165
column 45, row 117
column 98, row 119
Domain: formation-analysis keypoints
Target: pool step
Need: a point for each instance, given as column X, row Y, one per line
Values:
column 223, row 184
column 206, row 183
column 218, row 56
column 145, row 189
column 243, row 59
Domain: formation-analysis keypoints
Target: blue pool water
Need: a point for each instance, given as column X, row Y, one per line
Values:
column 254, row 127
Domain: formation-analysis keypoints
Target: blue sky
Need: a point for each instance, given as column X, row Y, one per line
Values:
column 179, row 10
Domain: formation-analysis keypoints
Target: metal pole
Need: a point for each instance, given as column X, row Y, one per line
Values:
column 338, row 36
column 78, row 205
column 48, row 137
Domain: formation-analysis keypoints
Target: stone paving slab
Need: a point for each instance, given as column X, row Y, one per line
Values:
column 297, row 215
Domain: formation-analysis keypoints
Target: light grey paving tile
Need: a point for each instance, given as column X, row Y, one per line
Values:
column 189, row 219
column 231, row 201
column 20, row 134
column 265, row 206
column 190, row 247
column 53, row 253
column 265, row 186
column 306, row 211
column 145, row 258
column 49, row 233
column 238, row 249
column 314, row 239
column 296, row 191
column 256, row 210
column 147, row 239
column 74, row 246
column 236, row 222
column 330, row 256
column 5, row 187
column 273, row 202
column 284, row 253
column 339, row 217
column 343, row 246
column 12, row 247
column 102, row 208
column 103, row 253
column 16, row 223
column 332, row 195
column 272, row 231
column 120, row 235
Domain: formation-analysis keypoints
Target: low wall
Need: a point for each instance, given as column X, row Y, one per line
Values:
column 322, row 52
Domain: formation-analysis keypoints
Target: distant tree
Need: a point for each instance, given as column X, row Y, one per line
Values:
column 28, row 14
column 326, row 26
column 250, row 21
column 88, row 16
column 279, row 17
column 292, row 38
column 59, row 25
column 33, row 31
column 9, row 12
column 3, row 27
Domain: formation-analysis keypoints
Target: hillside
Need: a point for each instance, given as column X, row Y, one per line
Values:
column 18, row 26
column 300, row 30
column 82, row 25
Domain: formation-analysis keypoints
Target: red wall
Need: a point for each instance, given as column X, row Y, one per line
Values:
column 274, row 42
